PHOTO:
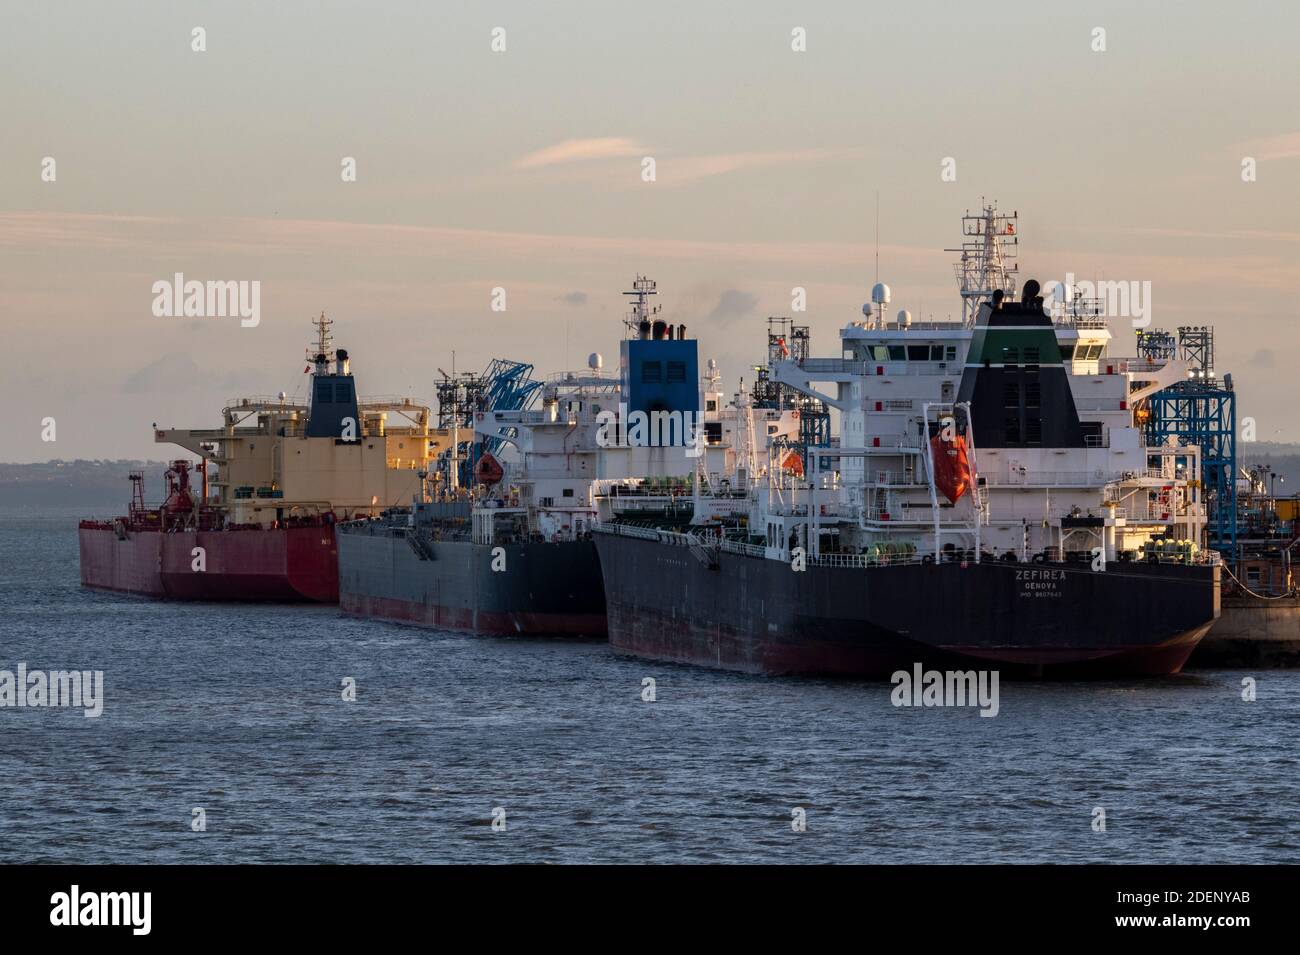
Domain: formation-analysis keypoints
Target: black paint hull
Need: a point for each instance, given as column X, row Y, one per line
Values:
column 544, row 588
column 761, row 616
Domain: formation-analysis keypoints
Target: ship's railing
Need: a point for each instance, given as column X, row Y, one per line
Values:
column 894, row 479
column 887, row 367
column 1027, row 478
column 833, row 366
column 391, row 401
column 740, row 547
column 270, row 402
column 1137, row 364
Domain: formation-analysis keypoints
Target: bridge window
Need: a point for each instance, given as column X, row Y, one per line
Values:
column 918, row 352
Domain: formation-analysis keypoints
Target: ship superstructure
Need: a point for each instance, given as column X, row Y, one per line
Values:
column 512, row 552
column 990, row 495
column 1027, row 394
column 275, row 458
column 258, row 523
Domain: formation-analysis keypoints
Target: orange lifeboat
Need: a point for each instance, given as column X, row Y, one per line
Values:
column 488, row 470
column 951, row 466
column 793, row 463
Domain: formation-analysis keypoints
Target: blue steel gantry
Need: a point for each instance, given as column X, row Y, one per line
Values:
column 505, row 385
column 1200, row 411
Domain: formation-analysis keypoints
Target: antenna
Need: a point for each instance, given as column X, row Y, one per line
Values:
column 642, row 289
column 324, row 342
column 877, row 235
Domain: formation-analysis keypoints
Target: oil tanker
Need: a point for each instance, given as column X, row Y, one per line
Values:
column 510, row 550
column 255, row 518
column 990, row 501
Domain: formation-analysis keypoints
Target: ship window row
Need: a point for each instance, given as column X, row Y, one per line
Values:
column 903, row 353
column 1082, row 352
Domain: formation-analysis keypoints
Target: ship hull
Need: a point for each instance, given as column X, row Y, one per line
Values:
column 755, row 615
column 546, row 589
column 291, row 564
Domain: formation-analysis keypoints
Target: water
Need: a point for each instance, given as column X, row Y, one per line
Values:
column 238, row 710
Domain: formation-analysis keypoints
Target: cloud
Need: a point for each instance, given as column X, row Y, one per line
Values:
column 732, row 304
column 580, row 150
column 1285, row 146
column 175, row 371
column 576, row 299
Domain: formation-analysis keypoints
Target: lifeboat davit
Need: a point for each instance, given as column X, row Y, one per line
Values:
column 951, row 466
column 488, row 470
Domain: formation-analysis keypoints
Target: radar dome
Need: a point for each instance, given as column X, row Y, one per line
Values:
column 904, row 318
column 595, row 362
column 880, row 293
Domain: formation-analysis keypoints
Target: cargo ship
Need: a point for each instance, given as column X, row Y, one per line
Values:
column 989, row 502
column 254, row 519
column 509, row 549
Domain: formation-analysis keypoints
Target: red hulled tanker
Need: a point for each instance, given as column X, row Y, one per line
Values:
column 272, row 481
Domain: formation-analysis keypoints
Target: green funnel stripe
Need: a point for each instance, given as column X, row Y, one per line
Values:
column 1009, row 345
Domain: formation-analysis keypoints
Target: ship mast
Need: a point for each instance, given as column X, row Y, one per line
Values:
column 324, row 341
column 642, row 289
column 988, row 258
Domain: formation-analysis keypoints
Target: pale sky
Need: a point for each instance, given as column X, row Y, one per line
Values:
column 522, row 169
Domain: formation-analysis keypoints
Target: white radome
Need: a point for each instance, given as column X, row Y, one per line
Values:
column 880, row 293
column 595, row 362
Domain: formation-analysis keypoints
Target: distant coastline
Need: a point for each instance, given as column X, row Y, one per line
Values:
column 93, row 484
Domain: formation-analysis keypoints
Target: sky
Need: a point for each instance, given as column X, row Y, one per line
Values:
column 522, row 169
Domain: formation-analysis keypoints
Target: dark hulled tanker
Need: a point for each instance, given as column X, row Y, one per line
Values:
column 514, row 554
column 990, row 502
column 722, row 608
